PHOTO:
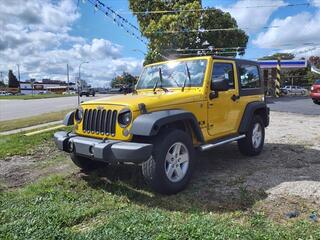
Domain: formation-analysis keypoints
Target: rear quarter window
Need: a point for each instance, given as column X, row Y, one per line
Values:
column 249, row 76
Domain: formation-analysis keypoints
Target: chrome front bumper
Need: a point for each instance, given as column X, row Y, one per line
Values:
column 111, row 151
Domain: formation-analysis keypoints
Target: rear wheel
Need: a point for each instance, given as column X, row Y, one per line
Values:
column 316, row 101
column 252, row 144
column 84, row 163
column 171, row 165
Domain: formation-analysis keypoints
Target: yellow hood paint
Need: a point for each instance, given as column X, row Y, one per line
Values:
column 150, row 99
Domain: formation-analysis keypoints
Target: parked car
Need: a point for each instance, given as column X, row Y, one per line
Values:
column 294, row 90
column 315, row 92
column 115, row 90
column 87, row 92
column 4, row 93
column 69, row 93
column 178, row 110
column 127, row 89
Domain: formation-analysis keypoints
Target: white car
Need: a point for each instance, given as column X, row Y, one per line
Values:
column 294, row 90
column 70, row 92
column 4, row 93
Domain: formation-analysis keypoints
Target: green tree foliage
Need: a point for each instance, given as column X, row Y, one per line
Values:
column 315, row 60
column 124, row 80
column 2, row 84
column 283, row 56
column 153, row 25
column 13, row 82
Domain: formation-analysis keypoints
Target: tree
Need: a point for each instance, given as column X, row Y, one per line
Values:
column 283, row 56
column 315, row 60
column 124, row 80
column 13, row 82
column 184, row 25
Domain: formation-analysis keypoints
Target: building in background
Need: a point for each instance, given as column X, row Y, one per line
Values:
column 45, row 86
column 289, row 74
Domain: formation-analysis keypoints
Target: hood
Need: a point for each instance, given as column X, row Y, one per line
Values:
column 150, row 99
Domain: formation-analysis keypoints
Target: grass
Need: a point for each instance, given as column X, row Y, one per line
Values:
column 36, row 96
column 31, row 121
column 73, row 207
column 115, row 203
column 18, row 144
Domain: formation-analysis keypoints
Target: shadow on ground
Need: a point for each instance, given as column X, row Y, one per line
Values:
column 223, row 181
column 272, row 100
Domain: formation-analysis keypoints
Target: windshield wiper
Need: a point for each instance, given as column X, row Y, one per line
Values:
column 156, row 85
column 188, row 75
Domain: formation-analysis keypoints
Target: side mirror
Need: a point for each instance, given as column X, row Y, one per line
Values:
column 220, row 84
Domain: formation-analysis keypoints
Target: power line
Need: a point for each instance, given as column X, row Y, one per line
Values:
column 202, row 30
column 117, row 19
column 210, row 9
column 100, row 5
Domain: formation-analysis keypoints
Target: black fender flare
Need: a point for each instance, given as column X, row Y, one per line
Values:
column 149, row 124
column 69, row 119
column 248, row 114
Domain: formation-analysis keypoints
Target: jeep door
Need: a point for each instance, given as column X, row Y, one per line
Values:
column 224, row 110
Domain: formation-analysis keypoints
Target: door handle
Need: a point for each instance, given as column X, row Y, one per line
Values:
column 235, row 98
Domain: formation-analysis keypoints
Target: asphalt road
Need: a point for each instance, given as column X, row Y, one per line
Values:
column 13, row 109
column 294, row 104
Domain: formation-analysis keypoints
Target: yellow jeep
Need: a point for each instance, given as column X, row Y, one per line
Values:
column 177, row 107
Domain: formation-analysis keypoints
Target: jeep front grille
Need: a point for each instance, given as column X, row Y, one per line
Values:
column 100, row 121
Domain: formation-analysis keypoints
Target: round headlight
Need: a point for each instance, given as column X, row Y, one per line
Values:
column 79, row 114
column 125, row 118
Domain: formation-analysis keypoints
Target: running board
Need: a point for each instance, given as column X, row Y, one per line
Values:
column 213, row 145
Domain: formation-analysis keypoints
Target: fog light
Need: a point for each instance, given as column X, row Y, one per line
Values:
column 125, row 132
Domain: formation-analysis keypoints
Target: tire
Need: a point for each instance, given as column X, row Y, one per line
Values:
column 84, row 163
column 165, row 174
column 252, row 144
column 316, row 102
column 80, row 95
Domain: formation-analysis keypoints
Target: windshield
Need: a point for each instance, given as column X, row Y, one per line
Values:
column 317, row 82
column 174, row 74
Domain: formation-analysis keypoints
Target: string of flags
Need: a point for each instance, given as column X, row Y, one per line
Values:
column 135, row 32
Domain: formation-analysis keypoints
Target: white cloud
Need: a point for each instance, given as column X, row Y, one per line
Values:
column 36, row 34
column 295, row 31
column 254, row 18
column 315, row 3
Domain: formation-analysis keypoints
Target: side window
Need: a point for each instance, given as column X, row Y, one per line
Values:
column 249, row 76
column 223, row 71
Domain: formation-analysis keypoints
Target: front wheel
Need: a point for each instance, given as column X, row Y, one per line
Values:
column 171, row 165
column 252, row 144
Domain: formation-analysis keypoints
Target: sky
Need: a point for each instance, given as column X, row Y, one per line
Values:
column 43, row 36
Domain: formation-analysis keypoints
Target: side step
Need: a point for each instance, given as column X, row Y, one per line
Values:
column 216, row 144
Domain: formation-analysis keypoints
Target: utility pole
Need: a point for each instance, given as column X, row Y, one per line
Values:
column 68, row 78
column 79, row 80
column 18, row 65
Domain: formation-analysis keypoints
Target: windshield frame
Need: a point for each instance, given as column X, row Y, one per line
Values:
column 180, row 61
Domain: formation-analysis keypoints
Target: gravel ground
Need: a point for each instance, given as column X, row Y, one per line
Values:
column 283, row 178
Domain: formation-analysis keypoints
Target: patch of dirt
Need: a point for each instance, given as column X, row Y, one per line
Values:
column 17, row 171
column 288, row 168
column 225, row 180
